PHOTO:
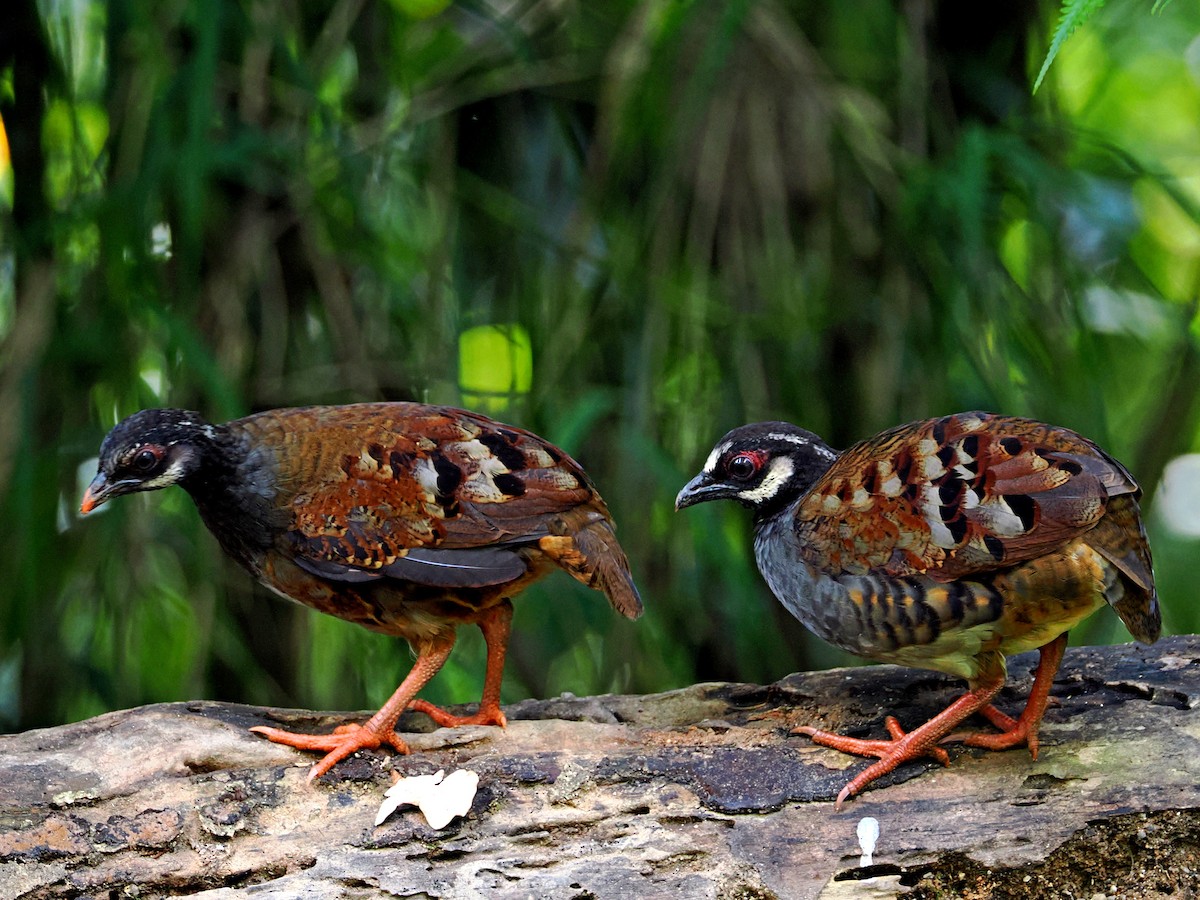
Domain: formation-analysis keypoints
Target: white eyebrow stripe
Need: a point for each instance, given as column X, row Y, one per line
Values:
column 710, row 464
column 789, row 437
column 204, row 427
column 802, row 441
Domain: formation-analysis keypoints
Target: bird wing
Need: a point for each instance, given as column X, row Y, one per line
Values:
column 955, row 496
column 429, row 494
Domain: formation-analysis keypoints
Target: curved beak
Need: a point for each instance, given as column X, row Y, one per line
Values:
column 97, row 492
column 699, row 489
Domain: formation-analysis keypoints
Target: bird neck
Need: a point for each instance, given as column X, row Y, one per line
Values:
column 233, row 487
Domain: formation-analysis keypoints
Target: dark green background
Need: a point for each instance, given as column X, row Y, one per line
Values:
column 688, row 215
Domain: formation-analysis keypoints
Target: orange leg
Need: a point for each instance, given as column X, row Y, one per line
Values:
column 1015, row 732
column 496, row 625
column 379, row 729
column 904, row 747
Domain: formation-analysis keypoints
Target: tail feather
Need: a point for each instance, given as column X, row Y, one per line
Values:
column 1120, row 538
column 590, row 552
column 609, row 569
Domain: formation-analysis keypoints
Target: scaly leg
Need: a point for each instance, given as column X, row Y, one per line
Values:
column 904, row 747
column 379, row 729
column 1015, row 732
column 496, row 625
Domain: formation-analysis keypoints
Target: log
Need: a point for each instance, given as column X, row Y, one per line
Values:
column 699, row 792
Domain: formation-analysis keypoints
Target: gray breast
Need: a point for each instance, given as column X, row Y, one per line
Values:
column 823, row 604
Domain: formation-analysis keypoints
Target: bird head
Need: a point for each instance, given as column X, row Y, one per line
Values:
column 766, row 466
column 151, row 449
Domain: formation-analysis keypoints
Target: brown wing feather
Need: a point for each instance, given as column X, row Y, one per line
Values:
column 955, row 496
column 419, row 492
column 380, row 479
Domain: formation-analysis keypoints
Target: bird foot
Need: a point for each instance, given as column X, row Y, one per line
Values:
column 488, row 715
column 1022, row 732
column 342, row 742
column 1013, row 733
column 903, row 747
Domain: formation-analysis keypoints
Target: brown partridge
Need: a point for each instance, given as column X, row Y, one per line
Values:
column 408, row 519
column 944, row 544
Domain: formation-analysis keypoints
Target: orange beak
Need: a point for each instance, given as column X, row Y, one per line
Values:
column 96, row 493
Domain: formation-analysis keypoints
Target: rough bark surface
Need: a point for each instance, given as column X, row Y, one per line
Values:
column 694, row 793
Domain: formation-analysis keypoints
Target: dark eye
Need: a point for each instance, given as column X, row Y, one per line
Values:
column 742, row 467
column 144, row 460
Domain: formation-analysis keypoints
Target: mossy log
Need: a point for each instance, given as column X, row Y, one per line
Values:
column 700, row 792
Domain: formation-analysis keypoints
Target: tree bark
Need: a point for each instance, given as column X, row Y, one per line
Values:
column 699, row 792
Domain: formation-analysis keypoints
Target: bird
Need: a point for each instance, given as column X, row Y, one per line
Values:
column 405, row 518
column 944, row 544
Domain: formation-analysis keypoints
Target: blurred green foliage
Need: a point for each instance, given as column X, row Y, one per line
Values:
column 642, row 223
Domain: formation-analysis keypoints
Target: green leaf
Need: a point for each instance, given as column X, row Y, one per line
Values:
column 495, row 365
column 1074, row 14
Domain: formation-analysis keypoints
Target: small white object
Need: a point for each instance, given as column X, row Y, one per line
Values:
column 1177, row 499
column 439, row 799
column 868, row 834
column 160, row 241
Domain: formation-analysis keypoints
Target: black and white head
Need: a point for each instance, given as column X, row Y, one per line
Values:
column 151, row 449
column 766, row 466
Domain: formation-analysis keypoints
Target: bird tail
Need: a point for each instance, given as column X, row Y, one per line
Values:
column 585, row 544
column 1120, row 538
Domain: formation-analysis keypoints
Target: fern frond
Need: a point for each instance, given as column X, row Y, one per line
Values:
column 1074, row 14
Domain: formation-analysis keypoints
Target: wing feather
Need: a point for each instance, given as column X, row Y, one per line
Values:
column 957, row 496
column 416, row 492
